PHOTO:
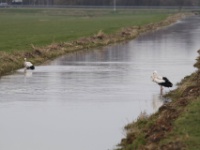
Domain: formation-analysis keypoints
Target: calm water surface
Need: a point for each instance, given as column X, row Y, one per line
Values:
column 82, row 101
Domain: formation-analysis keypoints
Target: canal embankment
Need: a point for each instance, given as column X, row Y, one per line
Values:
column 175, row 125
column 10, row 62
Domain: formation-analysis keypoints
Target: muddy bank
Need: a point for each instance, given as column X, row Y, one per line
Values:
column 149, row 132
column 9, row 62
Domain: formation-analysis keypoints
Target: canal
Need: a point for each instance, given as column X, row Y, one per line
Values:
column 82, row 101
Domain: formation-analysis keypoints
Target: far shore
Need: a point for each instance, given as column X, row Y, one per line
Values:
column 10, row 62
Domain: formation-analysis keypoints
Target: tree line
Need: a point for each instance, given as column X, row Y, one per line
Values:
column 111, row 2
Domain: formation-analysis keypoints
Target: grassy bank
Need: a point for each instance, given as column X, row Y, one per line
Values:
column 42, row 34
column 22, row 27
column 175, row 126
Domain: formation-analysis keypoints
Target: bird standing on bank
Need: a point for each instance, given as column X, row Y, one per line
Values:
column 162, row 81
column 28, row 65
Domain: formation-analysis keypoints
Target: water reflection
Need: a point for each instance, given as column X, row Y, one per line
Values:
column 87, row 97
column 28, row 73
column 158, row 100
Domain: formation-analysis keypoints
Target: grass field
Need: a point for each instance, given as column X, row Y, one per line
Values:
column 187, row 126
column 21, row 27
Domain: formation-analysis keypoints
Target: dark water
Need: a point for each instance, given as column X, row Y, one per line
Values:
column 83, row 100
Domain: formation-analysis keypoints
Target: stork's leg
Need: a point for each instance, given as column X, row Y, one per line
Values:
column 161, row 90
column 25, row 70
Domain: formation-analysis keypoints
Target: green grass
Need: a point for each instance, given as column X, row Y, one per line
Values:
column 187, row 126
column 19, row 28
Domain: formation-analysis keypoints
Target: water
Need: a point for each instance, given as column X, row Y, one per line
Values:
column 83, row 100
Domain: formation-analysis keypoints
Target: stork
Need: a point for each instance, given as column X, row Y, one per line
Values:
column 28, row 65
column 162, row 81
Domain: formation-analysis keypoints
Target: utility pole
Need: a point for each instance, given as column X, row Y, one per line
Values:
column 114, row 5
